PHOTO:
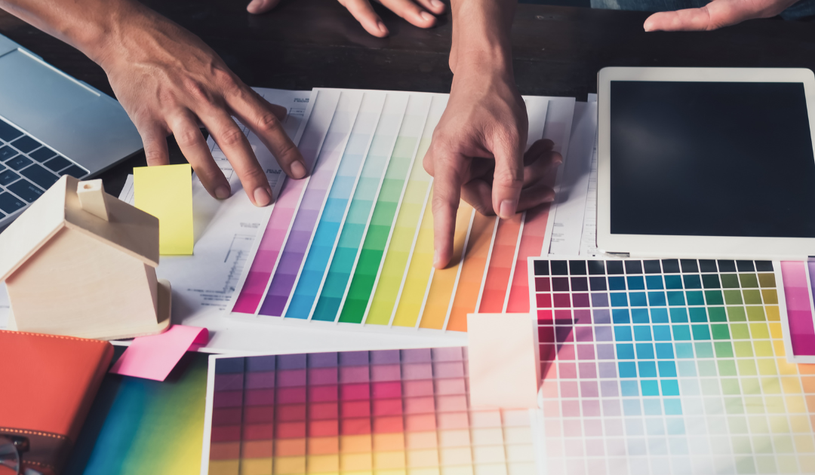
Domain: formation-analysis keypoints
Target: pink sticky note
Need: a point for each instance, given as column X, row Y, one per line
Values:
column 503, row 360
column 153, row 357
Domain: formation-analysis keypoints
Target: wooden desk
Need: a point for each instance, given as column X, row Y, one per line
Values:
column 309, row 43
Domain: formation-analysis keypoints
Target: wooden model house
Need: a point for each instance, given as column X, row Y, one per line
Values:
column 80, row 262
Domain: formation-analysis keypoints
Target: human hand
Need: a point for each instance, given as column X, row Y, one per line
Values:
column 169, row 81
column 410, row 10
column 477, row 153
column 716, row 14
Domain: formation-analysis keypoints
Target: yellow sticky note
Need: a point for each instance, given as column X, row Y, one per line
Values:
column 503, row 360
column 166, row 193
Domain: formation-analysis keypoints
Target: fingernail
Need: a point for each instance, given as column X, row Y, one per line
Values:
column 222, row 192
column 262, row 197
column 254, row 5
column 507, row 209
column 382, row 27
column 427, row 16
column 436, row 3
column 298, row 170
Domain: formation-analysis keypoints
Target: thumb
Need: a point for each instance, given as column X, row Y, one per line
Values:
column 508, row 179
column 261, row 6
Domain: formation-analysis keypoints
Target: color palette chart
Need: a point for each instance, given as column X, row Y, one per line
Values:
column 367, row 412
column 352, row 245
column 799, row 326
column 669, row 366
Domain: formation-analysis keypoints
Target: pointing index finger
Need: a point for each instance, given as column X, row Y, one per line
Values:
column 446, row 197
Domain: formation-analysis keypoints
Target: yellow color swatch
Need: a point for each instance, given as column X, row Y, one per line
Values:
column 166, row 193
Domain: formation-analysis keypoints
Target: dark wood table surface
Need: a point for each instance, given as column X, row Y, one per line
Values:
column 309, row 43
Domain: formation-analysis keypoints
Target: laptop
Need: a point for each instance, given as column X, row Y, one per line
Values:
column 706, row 162
column 52, row 125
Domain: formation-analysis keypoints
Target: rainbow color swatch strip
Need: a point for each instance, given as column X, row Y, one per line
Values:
column 394, row 412
column 669, row 366
column 352, row 245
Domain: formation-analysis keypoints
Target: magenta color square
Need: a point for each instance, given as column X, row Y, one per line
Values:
column 566, row 352
column 563, row 317
column 583, row 333
column 455, row 353
column 543, row 300
column 568, row 389
column 591, row 407
column 545, row 316
column 599, row 299
column 611, row 407
column 564, row 334
column 603, row 333
column 546, row 334
column 593, row 427
column 259, row 397
column 567, row 370
column 421, row 355
column 605, row 352
column 387, row 390
column 354, row 374
column 548, row 352
column 585, row 352
column 571, row 428
column 608, row 370
column 582, row 317
column 291, row 378
column 385, row 357
column 570, row 408
column 452, row 369
column 542, row 284
column 355, row 392
column 386, row 372
column 228, row 382
column 320, row 360
column 561, row 301
column 227, row 399
column 323, row 393
column 560, row 284
column 609, row 388
column 589, row 389
column 354, row 358
column 588, row 370
column 292, row 395
column 417, row 371
column 322, row 376
column 601, row 315
column 580, row 300
column 227, row 417
column 616, row 447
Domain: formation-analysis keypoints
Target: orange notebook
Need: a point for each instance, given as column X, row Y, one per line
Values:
column 48, row 385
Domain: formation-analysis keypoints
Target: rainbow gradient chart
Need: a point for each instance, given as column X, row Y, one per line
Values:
column 670, row 366
column 352, row 245
column 393, row 412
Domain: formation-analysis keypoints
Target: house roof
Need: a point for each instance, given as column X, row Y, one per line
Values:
column 129, row 229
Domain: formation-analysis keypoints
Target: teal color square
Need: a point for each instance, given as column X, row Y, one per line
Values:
column 673, row 282
column 620, row 315
column 681, row 332
column 662, row 332
column 652, row 407
column 647, row 369
column 642, row 333
column 625, row 351
column 619, row 299
column 659, row 315
column 656, row 299
column 697, row 314
column 683, row 350
column 627, row 369
column 653, row 282
column 635, row 282
column 667, row 369
column 679, row 315
column 639, row 315
column 700, row 332
column 673, row 407
column 695, row 297
column 649, row 387
column 676, row 298
column 714, row 297
column 664, row 350
column 616, row 283
column 638, row 299
column 670, row 387
column 704, row 349
column 622, row 333
column 692, row 281
column 645, row 351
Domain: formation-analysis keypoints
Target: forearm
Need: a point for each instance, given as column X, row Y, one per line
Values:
column 94, row 27
column 481, row 34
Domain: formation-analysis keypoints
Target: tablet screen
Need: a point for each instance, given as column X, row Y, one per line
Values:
column 711, row 159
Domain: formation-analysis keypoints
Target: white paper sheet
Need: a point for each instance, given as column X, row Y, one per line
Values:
column 5, row 307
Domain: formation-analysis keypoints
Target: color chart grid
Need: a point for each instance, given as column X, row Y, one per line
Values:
column 669, row 366
column 352, row 245
column 394, row 412
column 799, row 326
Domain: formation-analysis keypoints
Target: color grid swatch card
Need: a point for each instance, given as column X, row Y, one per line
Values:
column 669, row 366
column 352, row 245
column 393, row 412
column 799, row 326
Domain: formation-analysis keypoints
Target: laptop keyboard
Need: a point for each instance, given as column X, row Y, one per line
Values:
column 27, row 169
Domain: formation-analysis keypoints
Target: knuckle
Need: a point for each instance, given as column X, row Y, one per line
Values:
column 230, row 137
column 154, row 155
column 187, row 137
column 268, row 122
column 509, row 175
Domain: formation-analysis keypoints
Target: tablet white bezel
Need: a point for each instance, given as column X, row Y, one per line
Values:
column 696, row 246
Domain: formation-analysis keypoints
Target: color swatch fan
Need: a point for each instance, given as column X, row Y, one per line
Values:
column 670, row 366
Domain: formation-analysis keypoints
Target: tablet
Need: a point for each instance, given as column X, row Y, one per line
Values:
column 706, row 162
